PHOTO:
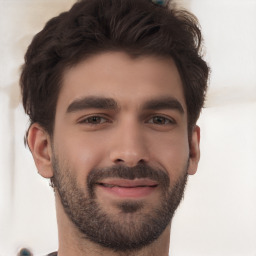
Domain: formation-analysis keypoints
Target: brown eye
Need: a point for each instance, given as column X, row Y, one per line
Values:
column 160, row 120
column 94, row 120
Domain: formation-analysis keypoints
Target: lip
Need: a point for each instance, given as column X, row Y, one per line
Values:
column 128, row 188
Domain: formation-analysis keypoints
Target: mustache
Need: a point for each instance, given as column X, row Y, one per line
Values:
column 130, row 173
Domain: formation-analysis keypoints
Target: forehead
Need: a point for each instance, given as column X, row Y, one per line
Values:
column 130, row 81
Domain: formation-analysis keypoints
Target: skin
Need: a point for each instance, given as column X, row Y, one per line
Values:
column 128, row 134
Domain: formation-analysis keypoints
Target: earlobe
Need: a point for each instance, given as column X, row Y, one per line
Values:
column 40, row 146
column 194, row 155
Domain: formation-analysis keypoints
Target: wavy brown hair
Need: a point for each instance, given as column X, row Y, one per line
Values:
column 137, row 27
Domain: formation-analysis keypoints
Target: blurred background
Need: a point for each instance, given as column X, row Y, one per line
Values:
column 218, row 214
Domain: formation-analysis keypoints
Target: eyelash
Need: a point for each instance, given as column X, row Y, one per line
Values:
column 167, row 120
column 86, row 120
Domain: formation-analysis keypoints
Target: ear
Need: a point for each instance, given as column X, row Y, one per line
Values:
column 40, row 146
column 194, row 155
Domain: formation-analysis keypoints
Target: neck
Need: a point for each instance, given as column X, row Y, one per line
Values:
column 72, row 242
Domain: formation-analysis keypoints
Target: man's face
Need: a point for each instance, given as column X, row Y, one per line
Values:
column 120, row 148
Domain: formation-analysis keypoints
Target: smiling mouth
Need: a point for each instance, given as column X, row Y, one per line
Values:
column 112, row 186
column 128, row 188
column 126, row 183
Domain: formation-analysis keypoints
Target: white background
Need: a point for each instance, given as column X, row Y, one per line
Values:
column 218, row 214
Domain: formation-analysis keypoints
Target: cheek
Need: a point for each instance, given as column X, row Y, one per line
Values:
column 80, row 152
column 171, row 153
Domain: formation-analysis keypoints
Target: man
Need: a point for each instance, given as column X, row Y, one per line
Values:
column 113, row 89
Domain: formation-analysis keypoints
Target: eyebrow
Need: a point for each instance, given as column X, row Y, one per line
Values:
column 164, row 103
column 109, row 103
column 92, row 102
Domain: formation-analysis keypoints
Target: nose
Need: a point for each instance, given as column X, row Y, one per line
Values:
column 129, row 146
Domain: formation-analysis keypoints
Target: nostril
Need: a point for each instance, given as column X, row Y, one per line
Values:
column 119, row 160
column 129, row 163
column 128, row 157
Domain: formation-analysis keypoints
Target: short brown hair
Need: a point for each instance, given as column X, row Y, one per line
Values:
column 138, row 27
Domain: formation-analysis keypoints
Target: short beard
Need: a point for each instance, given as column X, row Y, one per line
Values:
column 130, row 230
